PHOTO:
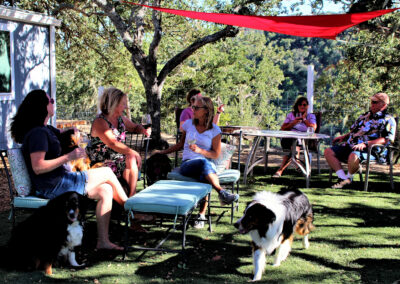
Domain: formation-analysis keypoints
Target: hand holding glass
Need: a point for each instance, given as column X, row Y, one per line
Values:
column 191, row 138
column 83, row 140
column 146, row 121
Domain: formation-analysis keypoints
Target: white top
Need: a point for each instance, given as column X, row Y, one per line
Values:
column 203, row 140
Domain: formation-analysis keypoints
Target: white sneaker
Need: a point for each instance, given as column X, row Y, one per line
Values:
column 200, row 222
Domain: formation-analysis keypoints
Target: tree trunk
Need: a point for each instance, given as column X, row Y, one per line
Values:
column 153, row 98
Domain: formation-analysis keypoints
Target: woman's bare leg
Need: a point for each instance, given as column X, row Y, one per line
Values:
column 103, row 186
column 103, row 194
column 284, row 165
column 99, row 176
column 131, row 173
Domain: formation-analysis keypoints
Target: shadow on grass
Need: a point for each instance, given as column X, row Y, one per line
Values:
column 374, row 270
column 378, row 182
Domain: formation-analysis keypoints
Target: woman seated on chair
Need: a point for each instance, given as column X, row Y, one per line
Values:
column 297, row 120
column 42, row 153
column 107, row 138
column 187, row 113
column 201, row 142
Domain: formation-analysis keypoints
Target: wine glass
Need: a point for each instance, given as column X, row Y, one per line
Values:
column 83, row 140
column 146, row 121
column 310, row 131
column 192, row 137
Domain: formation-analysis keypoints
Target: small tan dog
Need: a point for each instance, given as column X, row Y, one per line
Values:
column 69, row 140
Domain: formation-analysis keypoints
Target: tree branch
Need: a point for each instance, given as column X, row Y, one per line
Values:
column 153, row 49
column 228, row 31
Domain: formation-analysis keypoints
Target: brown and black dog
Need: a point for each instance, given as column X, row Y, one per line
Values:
column 69, row 140
column 157, row 168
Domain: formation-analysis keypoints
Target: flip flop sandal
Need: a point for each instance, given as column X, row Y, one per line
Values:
column 276, row 175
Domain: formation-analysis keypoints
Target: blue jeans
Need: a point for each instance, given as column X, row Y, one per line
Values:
column 71, row 181
column 197, row 168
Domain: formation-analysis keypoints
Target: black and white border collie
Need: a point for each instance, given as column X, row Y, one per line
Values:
column 271, row 219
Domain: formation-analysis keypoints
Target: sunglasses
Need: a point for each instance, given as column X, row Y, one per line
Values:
column 51, row 100
column 197, row 107
column 304, row 105
column 374, row 102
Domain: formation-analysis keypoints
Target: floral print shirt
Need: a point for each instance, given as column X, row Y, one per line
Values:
column 371, row 126
column 99, row 152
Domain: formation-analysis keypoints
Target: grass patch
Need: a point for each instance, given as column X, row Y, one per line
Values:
column 356, row 241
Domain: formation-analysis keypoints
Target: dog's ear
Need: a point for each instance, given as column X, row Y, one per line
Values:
column 267, row 217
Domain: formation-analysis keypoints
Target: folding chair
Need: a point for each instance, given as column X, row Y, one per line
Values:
column 226, row 177
column 20, row 197
column 391, row 150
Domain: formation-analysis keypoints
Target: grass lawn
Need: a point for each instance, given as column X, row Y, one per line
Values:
column 356, row 240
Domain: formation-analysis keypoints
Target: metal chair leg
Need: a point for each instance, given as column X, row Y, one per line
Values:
column 391, row 169
column 367, row 174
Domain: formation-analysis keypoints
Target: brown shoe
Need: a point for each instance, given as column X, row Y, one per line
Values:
column 341, row 183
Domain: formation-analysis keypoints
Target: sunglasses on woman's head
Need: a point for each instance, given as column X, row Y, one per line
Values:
column 197, row 107
column 51, row 100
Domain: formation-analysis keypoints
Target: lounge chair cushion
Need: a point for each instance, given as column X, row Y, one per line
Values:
column 225, row 177
column 168, row 197
column 29, row 202
column 22, row 182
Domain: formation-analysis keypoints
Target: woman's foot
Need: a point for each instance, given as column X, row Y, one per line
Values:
column 277, row 175
column 108, row 246
column 137, row 228
column 144, row 217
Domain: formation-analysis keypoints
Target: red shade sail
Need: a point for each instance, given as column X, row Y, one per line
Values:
column 323, row 26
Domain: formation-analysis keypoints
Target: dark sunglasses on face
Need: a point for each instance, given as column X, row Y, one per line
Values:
column 374, row 102
column 51, row 100
column 304, row 105
column 197, row 107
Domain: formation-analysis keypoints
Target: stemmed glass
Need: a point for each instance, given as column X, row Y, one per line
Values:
column 192, row 137
column 146, row 121
column 83, row 140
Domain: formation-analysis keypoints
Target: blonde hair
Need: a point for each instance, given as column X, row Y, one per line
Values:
column 206, row 102
column 110, row 99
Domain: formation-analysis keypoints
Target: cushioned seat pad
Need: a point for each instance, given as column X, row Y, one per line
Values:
column 227, row 176
column 29, row 202
column 168, row 197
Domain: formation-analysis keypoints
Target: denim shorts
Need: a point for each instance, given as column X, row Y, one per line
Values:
column 71, row 181
column 342, row 153
column 197, row 168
